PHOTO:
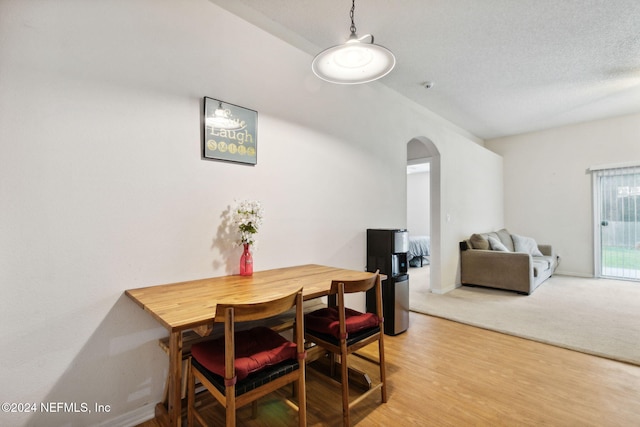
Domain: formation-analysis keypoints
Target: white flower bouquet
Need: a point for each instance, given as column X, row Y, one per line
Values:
column 247, row 217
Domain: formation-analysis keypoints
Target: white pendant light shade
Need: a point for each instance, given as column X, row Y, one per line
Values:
column 353, row 62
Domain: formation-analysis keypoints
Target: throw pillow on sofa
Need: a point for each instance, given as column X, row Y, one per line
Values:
column 526, row 245
column 496, row 245
column 505, row 238
column 479, row 242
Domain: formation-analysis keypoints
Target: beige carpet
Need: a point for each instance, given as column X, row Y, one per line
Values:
column 595, row 316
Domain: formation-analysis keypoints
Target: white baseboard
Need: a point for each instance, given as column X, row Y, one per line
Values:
column 443, row 291
column 568, row 273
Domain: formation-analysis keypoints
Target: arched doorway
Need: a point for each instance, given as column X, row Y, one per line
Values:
column 423, row 212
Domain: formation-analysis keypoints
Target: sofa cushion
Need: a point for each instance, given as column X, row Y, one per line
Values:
column 255, row 349
column 490, row 234
column 479, row 242
column 496, row 245
column 505, row 238
column 525, row 244
column 540, row 265
column 327, row 321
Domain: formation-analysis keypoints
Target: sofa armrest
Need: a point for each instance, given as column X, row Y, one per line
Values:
column 503, row 270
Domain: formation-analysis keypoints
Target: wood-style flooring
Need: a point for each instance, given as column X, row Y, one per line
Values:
column 443, row 373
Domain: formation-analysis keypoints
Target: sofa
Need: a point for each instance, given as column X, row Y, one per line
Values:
column 506, row 261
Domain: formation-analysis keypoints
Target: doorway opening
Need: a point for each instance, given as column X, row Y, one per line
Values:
column 419, row 222
column 423, row 216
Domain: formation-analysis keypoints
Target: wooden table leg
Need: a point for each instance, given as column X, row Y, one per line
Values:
column 174, row 400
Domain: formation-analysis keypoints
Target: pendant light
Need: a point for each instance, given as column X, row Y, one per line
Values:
column 356, row 61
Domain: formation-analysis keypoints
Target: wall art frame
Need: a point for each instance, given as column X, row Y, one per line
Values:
column 230, row 132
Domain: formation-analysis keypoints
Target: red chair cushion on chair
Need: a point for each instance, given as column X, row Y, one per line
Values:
column 255, row 349
column 327, row 321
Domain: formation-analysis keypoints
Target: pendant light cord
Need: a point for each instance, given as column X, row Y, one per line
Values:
column 353, row 24
column 351, row 14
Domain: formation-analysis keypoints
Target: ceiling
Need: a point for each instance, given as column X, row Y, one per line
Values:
column 498, row 67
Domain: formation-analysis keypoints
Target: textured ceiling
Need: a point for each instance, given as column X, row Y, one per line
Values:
column 499, row 67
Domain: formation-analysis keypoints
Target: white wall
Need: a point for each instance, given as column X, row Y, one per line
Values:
column 548, row 190
column 471, row 199
column 103, row 188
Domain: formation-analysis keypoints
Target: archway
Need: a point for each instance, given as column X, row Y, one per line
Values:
column 422, row 151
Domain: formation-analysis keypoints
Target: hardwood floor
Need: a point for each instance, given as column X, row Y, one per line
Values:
column 443, row 373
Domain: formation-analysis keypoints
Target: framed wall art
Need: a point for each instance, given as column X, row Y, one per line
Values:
column 230, row 132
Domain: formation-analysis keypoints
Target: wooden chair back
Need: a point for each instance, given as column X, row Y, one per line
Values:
column 341, row 287
column 353, row 286
column 257, row 311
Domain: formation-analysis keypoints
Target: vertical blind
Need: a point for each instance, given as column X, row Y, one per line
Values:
column 617, row 212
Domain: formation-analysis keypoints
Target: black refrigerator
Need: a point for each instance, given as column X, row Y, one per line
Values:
column 387, row 251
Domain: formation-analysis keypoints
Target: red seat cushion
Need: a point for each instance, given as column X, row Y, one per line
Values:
column 327, row 321
column 255, row 349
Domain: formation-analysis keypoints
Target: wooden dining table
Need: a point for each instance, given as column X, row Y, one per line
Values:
column 186, row 306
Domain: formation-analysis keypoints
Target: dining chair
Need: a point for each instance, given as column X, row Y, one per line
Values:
column 244, row 365
column 342, row 331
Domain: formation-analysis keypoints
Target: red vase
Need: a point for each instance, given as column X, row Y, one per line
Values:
column 246, row 262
